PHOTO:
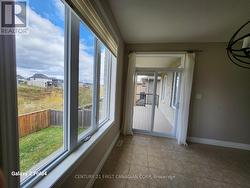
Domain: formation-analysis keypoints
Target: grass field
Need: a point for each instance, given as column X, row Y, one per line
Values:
column 31, row 98
column 39, row 145
column 84, row 96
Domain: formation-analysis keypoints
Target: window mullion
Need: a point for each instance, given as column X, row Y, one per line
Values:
column 108, row 88
column 66, row 78
column 112, row 87
column 9, row 153
column 96, row 88
column 73, row 67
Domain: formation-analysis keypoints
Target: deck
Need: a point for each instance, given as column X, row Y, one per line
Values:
column 142, row 120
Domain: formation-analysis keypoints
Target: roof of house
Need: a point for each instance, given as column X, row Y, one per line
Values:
column 38, row 75
column 19, row 77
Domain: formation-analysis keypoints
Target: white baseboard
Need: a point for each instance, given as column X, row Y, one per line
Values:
column 100, row 165
column 219, row 143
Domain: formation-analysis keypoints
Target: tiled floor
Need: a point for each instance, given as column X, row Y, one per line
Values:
column 145, row 162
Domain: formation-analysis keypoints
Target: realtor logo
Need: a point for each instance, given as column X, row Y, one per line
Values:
column 13, row 17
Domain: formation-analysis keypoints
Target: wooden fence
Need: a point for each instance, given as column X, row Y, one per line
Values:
column 35, row 121
column 56, row 118
column 32, row 122
column 84, row 118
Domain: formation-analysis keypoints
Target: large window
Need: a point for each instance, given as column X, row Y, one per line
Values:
column 64, row 86
column 40, row 86
column 86, row 79
column 104, row 84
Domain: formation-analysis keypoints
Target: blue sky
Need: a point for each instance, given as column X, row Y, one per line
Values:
column 47, row 10
column 42, row 50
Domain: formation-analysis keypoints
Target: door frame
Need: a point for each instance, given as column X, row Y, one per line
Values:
column 147, row 73
column 155, row 71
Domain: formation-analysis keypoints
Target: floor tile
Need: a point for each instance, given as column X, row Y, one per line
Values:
column 153, row 162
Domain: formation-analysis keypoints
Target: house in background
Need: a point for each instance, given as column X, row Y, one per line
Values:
column 144, row 90
column 41, row 80
column 198, row 138
column 57, row 82
column 21, row 80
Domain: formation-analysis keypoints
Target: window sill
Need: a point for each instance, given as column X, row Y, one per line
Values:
column 71, row 161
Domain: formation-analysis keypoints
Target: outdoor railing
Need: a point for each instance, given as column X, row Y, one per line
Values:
column 146, row 99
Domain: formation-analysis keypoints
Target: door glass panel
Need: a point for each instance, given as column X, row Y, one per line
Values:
column 164, row 118
column 143, row 101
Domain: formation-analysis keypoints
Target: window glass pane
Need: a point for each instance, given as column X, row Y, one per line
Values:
column 164, row 89
column 40, row 85
column 104, row 84
column 86, row 79
column 176, row 83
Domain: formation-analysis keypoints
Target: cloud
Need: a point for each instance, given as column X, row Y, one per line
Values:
column 60, row 8
column 86, row 65
column 42, row 50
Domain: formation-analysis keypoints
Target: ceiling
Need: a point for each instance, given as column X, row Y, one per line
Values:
column 161, row 21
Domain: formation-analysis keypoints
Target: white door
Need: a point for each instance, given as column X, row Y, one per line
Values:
column 156, row 103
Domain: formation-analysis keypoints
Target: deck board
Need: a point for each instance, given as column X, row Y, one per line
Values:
column 142, row 120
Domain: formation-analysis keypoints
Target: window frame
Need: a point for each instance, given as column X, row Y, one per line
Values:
column 174, row 95
column 95, row 126
column 164, row 88
column 92, row 129
column 109, row 69
column 85, row 136
column 68, row 137
column 71, row 71
column 108, row 61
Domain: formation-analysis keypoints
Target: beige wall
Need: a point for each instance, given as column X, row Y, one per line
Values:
column 223, row 112
column 89, row 164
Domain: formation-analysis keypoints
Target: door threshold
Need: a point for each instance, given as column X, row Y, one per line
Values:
column 156, row 134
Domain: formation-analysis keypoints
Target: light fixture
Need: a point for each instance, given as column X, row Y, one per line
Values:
column 238, row 49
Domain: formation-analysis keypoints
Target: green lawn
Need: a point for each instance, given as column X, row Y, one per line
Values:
column 37, row 146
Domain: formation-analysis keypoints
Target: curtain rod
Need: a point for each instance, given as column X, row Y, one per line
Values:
column 168, row 51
